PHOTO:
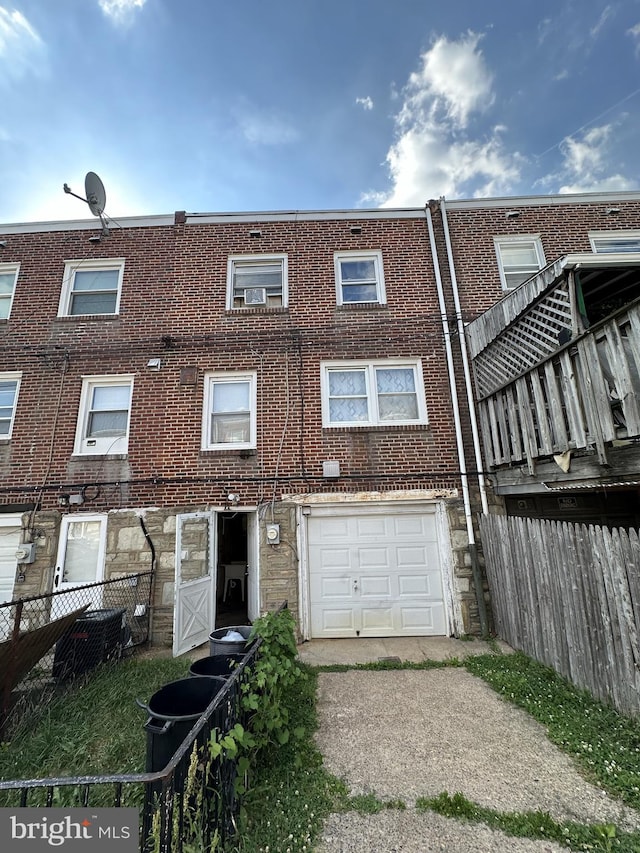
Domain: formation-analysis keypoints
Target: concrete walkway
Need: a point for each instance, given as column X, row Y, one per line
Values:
column 404, row 734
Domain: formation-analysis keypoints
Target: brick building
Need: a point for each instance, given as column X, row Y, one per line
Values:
column 262, row 407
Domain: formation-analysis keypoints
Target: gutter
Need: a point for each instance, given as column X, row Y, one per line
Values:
column 465, row 362
column 473, row 551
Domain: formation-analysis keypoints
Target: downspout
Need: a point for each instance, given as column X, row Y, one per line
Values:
column 473, row 551
column 462, row 337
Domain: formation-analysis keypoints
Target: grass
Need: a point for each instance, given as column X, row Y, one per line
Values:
column 536, row 825
column 96, row 729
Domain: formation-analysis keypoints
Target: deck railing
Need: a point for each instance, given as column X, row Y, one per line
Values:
column 586, row 394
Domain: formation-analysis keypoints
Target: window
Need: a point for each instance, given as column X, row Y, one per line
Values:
column 103, row 420
column 359, row 393
column 359, row 277
column 255, row 281
column 610, row 242
column 518, row 259
column 229, row 420
column 91, row 287
column 8, row 278
column 9, row 386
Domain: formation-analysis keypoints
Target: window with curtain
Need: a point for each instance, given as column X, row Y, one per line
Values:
column 374, row 393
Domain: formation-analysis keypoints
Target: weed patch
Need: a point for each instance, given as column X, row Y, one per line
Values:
column 536, row 825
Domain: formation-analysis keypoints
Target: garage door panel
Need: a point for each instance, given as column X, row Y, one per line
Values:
column 332, row 528
column 335, row 558
column 374, row 558
column 377, row 621
column 366, row 528
column 384, row 567
column 375, row 585
column 428, row 620
column 337, row 622
column 336, row 587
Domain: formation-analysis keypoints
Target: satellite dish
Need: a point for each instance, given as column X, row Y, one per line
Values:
column 96, row 198
column 95, row 192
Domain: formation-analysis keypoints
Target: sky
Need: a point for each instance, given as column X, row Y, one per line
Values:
column 248, row 105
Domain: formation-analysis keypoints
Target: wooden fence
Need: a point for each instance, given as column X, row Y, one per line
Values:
column 568, row 595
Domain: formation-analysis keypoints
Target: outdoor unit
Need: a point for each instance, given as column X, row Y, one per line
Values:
column 255, row 296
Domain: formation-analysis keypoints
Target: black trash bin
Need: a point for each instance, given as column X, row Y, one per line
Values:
column 95, row 637
column 173, row 711
column 222, row 666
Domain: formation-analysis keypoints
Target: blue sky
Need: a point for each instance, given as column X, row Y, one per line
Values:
column 238, row 105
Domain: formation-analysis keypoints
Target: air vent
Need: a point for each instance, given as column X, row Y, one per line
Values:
column 255, row 296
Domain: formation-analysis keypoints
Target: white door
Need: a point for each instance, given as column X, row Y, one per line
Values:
column 81, row 553
column 195, row 591
column 375, row 572
column 10, row 533
column 253, row 575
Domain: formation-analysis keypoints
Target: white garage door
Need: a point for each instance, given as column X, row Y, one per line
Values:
column 375, row 572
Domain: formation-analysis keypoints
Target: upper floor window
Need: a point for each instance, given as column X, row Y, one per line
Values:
column 229, row 420
column 9, row 387
column 103, row 419
column 8, row 278
column 255, row 281
column 610, row 242
column 519, row 257
column 359, row 277
column 91, row 287
column 358, row 393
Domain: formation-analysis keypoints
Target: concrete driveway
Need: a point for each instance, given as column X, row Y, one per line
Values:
column 404, row 734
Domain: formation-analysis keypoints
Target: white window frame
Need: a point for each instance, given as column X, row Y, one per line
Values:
column 74, row 266
column 65, row 526
column 102, row 445
column 596, row 237
column 247, row 260
column 7, row 269
column 212, row 379
column 370, row 367
column 11, row 376
column 374, row 255
column 533, row 239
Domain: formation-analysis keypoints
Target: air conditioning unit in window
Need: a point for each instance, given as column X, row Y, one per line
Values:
column 255, row 296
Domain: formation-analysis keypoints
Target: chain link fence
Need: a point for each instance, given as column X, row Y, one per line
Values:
column 48, row 641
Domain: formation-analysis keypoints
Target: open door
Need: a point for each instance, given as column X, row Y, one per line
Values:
column 81, row 552
column 237, row 568
column 194, row 606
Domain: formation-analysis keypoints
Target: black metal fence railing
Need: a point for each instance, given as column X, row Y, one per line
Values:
column 191, row 804
column 47, row 641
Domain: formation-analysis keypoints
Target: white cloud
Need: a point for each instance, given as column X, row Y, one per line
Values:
column 453, row 80
column 21, row 48
column 365, row 103
column 121, row 11
column 260, row 127
column 634, row 32
column 605, row 14
column 585, row 165
column 435, row 152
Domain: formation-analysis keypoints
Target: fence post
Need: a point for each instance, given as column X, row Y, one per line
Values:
column 10, row 671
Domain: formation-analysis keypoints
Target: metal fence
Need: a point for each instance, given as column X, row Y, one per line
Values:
column 47, row 641
column 189, row 805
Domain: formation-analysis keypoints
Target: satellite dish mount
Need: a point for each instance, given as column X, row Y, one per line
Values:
column 96, row 198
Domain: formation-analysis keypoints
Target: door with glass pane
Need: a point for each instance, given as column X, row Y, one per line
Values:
column 81, row 552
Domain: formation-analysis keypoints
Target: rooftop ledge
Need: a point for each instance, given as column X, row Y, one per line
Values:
column 310, row 215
